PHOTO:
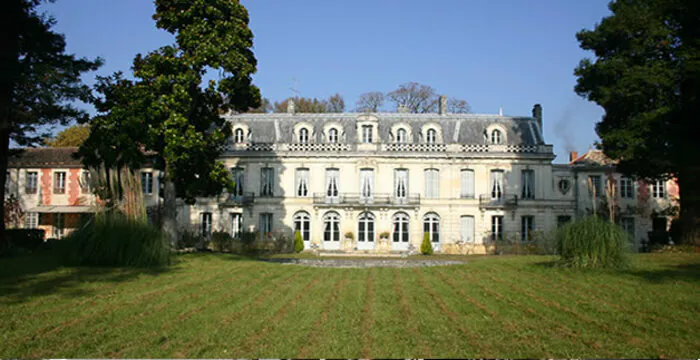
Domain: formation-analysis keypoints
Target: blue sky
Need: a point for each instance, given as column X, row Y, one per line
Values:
column 497, row 53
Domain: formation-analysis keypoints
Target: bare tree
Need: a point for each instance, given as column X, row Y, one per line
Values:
column 415, row 97
column 370, row 102
column 265, row 107
column 457, row 106
column 336, row 104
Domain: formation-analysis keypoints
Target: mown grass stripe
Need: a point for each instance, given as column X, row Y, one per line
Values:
column 368, row 317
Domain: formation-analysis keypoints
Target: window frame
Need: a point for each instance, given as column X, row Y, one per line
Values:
column 300, row 219
column 267, row 181
column 431, row 136
column 331, row 226
column 431, row 225
column 596, row 182
column 367, row 132
column 527, row 227
column 401, row 136
column 658, row 189
column 401, row 222
column 238, row 136
column 497, row 184
column 497, row 227
column 303, row 136
column 147, row 182
column 527, row 183
column 27, row 182
column 236, row 226
column 496, row 137
column 463, row 230
column 431, row 178
column 59, row 178
column 366, row 227
column 333, row 135
column 265, row 223
column 205, row 226
column 302, row 180
column 626, row 187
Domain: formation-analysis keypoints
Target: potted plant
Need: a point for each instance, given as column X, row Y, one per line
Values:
column 384, row 235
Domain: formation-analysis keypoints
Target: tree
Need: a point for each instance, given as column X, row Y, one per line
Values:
column 426, row 248
column 336, row 104
column 181, row 129
column 646, row 76
column 457, row 106
column 71, row 136
column 370, row 102
column 415, row 97
column 312, row 105
column 37, row 81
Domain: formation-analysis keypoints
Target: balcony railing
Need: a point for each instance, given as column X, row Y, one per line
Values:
column 355, row 199
column 486, row 201
column 237, row 200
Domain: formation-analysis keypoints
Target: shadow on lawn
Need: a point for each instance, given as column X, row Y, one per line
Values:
column 27, row 277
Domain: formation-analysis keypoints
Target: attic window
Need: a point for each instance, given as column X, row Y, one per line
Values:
column 431, row 136
column 496, row 137
column 238, row 136
column 333, row 136
column 401, row 136
column 304, row 136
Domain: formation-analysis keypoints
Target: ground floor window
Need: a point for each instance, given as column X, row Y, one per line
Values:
column 400, row 233
column 331, row 227
column 58, row 225
column 236, row 225
column 562, row 220
column 431, row 226
column 206, row 221
column 527, row 227
column 302, row 224
column 265, row 224
column 496, row 228
column 31, row 220
column 466, row 224
column 627, row 224
column 365, row 227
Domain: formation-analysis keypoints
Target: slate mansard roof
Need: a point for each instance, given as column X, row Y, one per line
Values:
column 469, row 128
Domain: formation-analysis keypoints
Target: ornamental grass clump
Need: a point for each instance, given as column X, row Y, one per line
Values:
column 592, row 243
column 298, row 242
column 426, row 248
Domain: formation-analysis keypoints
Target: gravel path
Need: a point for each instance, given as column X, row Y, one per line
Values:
column 365, row 263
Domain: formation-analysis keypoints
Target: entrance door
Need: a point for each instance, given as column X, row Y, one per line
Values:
column 365, row 232
column 331, row 231
column 400, row 235
column 302, row 224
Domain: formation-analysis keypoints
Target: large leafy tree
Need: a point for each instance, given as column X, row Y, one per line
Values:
column 168, row 112
column 646, row 75
column 37, row 80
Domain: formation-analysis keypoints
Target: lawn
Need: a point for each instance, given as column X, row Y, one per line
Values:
column 214, row 306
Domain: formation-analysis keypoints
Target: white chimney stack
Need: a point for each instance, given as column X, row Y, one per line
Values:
column 443, row 105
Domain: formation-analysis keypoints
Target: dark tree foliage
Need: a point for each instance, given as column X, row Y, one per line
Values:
column 71, row 136
column 335, row 104
column 37, row 80
column 646, row 75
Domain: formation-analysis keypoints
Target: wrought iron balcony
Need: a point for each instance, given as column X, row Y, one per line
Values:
column 238, row 200
column 355, row 199
column 486, row 201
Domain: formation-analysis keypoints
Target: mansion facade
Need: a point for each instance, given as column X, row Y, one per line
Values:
column 380, row 182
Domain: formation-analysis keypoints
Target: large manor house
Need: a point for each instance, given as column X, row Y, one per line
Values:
column 375, row 182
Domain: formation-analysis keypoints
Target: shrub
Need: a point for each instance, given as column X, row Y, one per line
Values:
column 384, row 235
column 298, row 242
column 350, row 235
column 29, row 239
column 592, row 243
column 221, row 241
column 112, row 239
column 426, row 248
column 189, row 239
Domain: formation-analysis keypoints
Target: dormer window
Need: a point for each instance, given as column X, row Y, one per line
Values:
column 431, row 136
column 367, row 134
column 304, row 136
column 333, row 136
column 238, row 136
column 401, row 136
column 496, row 137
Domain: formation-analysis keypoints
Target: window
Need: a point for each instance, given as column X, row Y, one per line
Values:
column 236, row 225
column 527, row 227
column 304, row 136
column 238, row 136
column 564, row 186
column 627, row 224
column 528, row 184
column 206, row 224
column 466, row 223
column 401, row 183
column 147, row 182
column 431, row 226
column 400, row 231
column 332, row 183
column 496, row 184
column 31, row 220
column 467, row 188
column 562, row 220
column 431, row 136
column 496, row 137
column 595, row 185
column 85, row 182
column 237, row 176
column 333, row 136
column 331, row 227
column 59, row 182
column 401, row 136
column 267, row 181
column 265, row 224
column 365, row 227
column 58, row 225
column 366, row 183
column 432, row 183
column 626, row 188
column 31, row 182
column 302, row 182
column 366, row 133
column 302, row 224
column 496, row 228
column 658, row 189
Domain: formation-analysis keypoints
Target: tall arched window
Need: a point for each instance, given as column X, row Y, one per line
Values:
column 431, row 136
column 331, row 227
column 431, row 226
column 238, row 136
column 333, row 135
column 496, row 137
column 401, row 136
column 302, row 223
column 400, row 230
column 304, row 136
column 365, row 227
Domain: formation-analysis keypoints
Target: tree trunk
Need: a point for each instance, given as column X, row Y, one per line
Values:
column 689, row 193
column 170, row 208
column 4, row 150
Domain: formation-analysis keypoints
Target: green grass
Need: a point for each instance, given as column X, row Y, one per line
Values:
column 209, row 305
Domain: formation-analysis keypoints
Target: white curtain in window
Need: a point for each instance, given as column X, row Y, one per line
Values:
column 467, row 190
column 302, row 182
column 496, row 184
column 366, row 183
column 467, row 228
column 266, row 178
column 528, row 184
column 332, row 183
column 401, row 183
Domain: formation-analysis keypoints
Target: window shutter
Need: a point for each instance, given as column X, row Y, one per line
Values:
column 467, row 183
column 467, row 227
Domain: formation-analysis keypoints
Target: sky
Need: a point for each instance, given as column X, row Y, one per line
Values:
column 508, row 54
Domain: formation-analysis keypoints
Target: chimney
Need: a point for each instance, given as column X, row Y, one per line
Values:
column 402, row 109
column 537, row 114
column 443, row 105
column 290, row 106
column 573, row 156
